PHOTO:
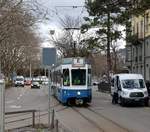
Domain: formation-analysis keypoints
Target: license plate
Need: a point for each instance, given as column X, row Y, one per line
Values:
column 136, row 99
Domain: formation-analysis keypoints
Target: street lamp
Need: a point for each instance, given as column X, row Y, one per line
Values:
column 52, row 32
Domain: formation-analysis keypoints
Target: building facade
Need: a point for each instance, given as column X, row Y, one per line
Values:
column 138, row 50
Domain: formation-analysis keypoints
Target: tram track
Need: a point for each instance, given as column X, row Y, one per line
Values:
column 99, row 114
column 89, row 120
column 106, row 126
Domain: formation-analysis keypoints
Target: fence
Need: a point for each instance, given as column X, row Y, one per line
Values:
column 26, row 119
column 19, row 119
column 104, row 87
column 31, row 120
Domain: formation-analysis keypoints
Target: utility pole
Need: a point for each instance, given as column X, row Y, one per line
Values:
column 49, row 95
column 144, row 51
column 0, row 66
column 108, row 47
column 2, row 104
column 30, row 70
column 1, row 2
column 49, row 60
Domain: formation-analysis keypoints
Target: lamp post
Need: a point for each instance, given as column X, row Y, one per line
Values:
column 144, row 50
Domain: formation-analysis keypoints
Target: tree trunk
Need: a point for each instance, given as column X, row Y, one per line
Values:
column 108, row 47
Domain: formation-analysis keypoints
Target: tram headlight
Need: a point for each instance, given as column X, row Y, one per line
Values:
column 78, row 93
column 65, row 92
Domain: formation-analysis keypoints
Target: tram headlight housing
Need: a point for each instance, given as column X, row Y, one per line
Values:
column 65, row 92
column 78, row 93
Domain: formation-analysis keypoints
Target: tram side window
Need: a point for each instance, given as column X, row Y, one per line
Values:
column 56, row 77
column 89, row 77
column 78, row 76
column 58, row 74
column 66, row 79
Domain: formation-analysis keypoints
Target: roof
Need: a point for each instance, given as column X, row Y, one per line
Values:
column 129, row 76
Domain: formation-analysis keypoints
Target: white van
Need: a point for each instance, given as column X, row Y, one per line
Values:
column 129, row 88
column 19, row 81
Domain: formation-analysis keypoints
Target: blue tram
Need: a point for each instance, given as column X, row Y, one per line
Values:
column 71, row 81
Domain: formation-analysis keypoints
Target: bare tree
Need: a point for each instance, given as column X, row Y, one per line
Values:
column 71, row 42
column 18, row 41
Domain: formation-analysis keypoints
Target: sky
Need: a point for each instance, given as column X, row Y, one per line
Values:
column 57, row 9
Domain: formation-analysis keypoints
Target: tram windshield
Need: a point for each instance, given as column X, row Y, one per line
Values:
column 66, row 78
column 78, row 76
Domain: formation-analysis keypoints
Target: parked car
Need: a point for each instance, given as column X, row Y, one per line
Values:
column 19, row 81
column 35, row 84
column 27, row 81
column 95, row 83
column 45, row 81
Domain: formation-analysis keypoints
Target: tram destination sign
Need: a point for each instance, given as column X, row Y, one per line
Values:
column 78, row 62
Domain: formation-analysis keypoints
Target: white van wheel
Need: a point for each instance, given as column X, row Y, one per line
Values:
column 122, row 103
column 146, row 102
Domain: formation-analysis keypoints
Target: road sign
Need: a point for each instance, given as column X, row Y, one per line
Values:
column 2, row 103
column 48, row 60
column 49, row 56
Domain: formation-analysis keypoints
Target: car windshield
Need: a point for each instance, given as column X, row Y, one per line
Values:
column 19, row 79
column 78, row 76
column 133, row 83
column 35, row 82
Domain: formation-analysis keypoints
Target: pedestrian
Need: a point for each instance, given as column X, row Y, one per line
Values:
column 115, row 98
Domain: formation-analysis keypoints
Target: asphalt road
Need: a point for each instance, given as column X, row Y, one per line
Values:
column 99, row 116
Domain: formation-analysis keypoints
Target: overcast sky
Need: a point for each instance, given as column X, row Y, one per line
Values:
column 58, row 9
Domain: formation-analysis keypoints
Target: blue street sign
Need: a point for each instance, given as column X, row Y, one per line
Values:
column 49, row 56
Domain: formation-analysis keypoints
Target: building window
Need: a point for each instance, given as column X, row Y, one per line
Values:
column 137, row 29
column 133, row 30
column 141, row 69
column 146, row 22
column 128, row 54
column 141, row 29
column 140, row 53
column 133, row 69
column 136, row 69
column 136, row 55
column 133, row 53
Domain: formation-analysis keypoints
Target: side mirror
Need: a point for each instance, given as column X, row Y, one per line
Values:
column 112, row 82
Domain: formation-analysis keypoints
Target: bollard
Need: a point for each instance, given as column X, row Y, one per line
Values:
column 52, row 120
column 33, row 119
column 56, row 126
column 2, row 105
